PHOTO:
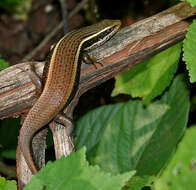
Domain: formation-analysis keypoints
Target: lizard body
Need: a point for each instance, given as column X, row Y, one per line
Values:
column 61, row 80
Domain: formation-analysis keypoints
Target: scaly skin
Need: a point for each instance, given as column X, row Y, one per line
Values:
column 62, row 76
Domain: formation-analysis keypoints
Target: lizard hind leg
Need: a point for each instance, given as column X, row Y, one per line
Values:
column 64, row 120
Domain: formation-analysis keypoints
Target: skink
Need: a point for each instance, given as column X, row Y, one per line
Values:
column 61, row 80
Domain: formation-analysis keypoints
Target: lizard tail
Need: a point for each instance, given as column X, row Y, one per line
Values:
column 43, row 111
column 25, row 146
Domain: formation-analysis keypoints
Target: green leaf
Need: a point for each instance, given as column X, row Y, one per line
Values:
column 3, row 64
column 137, row 183
column 128, row 136
column 189, row 48
column 150, row 78
column 73, row 173
column 9, row 142
column 7, row 184
column 170, row 128
column 10, row 2
column 19, row 8
column 9, row 154
column 181, row 171
column 192, row 2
